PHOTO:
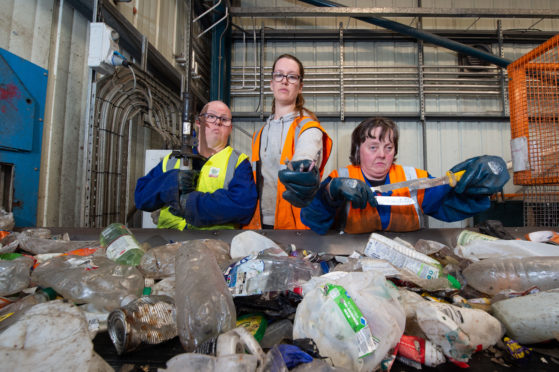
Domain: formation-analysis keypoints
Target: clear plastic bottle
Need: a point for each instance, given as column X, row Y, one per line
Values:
column 122, row 247
column 94, row 279
column 266, row 273
column 11, row 313
column 204, row 305
column 519, row 274
column 14, row 273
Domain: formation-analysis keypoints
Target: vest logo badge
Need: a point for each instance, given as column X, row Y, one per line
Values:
column 214, row 172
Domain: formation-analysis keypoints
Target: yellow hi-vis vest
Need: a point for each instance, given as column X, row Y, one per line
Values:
column 216, row 174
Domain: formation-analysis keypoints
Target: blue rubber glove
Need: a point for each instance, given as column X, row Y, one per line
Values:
column 301, row 183
column 485, row 175
column 188, row 179
column 353, row 190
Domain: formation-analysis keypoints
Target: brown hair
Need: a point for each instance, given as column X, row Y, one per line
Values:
column 299, row 101
column 364, row 130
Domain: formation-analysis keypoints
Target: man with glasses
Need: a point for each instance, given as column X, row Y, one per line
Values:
column 222, row 195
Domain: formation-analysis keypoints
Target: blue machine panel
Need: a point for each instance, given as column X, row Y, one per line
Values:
column 23, row 89
column 17, row 108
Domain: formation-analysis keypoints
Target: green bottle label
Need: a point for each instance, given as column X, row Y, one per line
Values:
column 366, row 342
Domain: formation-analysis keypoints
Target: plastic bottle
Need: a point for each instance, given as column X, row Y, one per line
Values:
column 494, row 275
column 265, row 273
column 159, row 262
column 276, row 332
column 467, row 236
column 205, row 307
column 14, row 273
column 530, row 319
column 403, row 257
column 92, row 279
column 148, row 319
column 122, row 247
column 12, row 312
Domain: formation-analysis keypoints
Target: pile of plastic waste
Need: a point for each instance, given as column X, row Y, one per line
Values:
column 255, row 305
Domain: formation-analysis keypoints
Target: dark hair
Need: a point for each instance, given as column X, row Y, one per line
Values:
column 364, row 130
column 299, row 101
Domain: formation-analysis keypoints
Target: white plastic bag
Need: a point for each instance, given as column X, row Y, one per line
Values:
column 320, row 316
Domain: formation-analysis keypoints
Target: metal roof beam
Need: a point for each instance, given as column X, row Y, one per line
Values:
column 272, row 12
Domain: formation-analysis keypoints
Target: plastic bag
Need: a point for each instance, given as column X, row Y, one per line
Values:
column 359, row 342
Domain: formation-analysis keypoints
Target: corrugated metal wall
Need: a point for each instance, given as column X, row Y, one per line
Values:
column 448, row 141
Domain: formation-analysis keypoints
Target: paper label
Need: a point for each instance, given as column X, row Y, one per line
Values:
column 238, row 276
column 379, row 250
column 120, row 246
column 366, row 342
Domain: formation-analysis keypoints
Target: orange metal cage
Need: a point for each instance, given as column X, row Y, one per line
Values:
column 534, row 115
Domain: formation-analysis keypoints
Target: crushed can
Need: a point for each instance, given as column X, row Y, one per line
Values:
column 148, row 319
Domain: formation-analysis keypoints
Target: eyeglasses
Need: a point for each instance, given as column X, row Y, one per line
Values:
column 291, row 78
column 212, row 119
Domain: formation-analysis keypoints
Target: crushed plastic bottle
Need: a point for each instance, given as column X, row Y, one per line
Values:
column 403, row 257
column 266, row 273
column 276, row 332
column 148, row 319
column 204, row 304
column 122, row 247
column 483, row 249
column 159, row 262
column 93, row 279
column 495, row 275
column 14, row 273
column 532, row 318
column 355, row 319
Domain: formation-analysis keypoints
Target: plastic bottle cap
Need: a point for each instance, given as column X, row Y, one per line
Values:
column 454, row 282
column 50, row 293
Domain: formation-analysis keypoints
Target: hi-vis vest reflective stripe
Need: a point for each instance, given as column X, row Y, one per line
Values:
column 222, row 167
column 287, row 216
column 402, row 217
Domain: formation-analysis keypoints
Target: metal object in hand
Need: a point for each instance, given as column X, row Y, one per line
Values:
column 422, row 183
column 394, row 200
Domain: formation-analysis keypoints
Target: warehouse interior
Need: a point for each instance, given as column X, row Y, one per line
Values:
column 95, row 93
column 436, row 67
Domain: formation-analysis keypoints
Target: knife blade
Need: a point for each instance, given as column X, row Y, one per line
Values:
column 449, row 178
column 394, row 200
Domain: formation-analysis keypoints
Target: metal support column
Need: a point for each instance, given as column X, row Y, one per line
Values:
column 262, row 72
column 502, row 77
column 342, row 98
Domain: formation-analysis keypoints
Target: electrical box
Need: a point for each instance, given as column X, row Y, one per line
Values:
column 103, row 43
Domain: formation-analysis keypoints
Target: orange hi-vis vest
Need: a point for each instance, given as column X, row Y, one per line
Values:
column 402, row 217
column 287, row 217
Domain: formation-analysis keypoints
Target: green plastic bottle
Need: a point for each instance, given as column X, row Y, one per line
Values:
column 121, row 246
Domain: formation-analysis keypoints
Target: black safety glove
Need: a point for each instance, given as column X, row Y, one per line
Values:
column 188, row 179
column 301, row 183
column 485, row 175
column 179, row 208
column 353, row 190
